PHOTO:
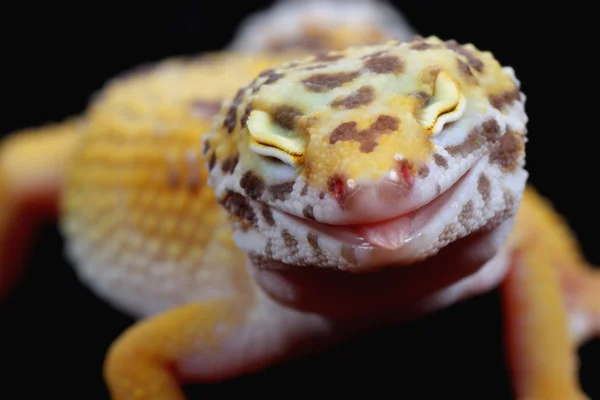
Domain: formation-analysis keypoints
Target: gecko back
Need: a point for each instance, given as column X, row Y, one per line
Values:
column 142, row 227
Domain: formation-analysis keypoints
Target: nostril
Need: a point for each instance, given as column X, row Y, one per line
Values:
column 405, row 173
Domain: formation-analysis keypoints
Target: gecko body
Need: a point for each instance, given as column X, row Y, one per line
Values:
column 371, row 184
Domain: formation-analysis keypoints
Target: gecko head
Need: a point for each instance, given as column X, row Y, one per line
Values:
column 372, row 156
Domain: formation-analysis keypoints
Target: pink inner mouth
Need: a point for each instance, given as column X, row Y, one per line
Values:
column 388, row 234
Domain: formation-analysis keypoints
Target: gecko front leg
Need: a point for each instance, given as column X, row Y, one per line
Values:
column 540, row 349
column 32, row 167
column 142, row 363
column 208, row 342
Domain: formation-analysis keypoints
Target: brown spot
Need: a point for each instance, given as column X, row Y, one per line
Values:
column 322, row 195
column 376, row 54
column 315, row 66
column 385, row 123
column 440, row 161
column 325, row 56
column 313, row 240
column 307, row 211
column 490, row 129
column 479, row 136
column 501, row 215
column 231, row 117
column 473, row 142
column 289, row 241
column 474, row 62
column 328, row 81
column 281, row 190
column 423, row 97
column 422, row 45
column 262, row 262
column 384, row 64
column 429, row 74
column 252, row 184
column 246, row 115
column 271, row 75
column 205, row 108
column 466, row 214
column 212, row 161
column 367, row 138
column 266, row 72
column 507, row 151
column 504, row 98
column 267, row 214
column 229, row 164
column 206, row 147
column 274, row 77
column 348, row 254
column 286, row 116
column 423, row 172
column 361, row 97
column 345, row 131
column 484, row 187
column 304, row 191
column 238, row 205
column 465, row 69
column 445, row 236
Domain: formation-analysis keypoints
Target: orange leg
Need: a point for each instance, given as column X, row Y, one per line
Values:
column 540, row 350
column 32, row 168
column 142, row 363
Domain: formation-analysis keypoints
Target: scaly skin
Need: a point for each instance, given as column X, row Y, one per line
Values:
column 147, row 234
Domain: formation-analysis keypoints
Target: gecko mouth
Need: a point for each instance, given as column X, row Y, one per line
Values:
column 389, row 233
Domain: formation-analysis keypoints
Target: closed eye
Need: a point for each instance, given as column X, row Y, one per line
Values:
column 446, row 105
column 272, row 140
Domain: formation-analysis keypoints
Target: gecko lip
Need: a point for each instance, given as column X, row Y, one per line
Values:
column 389, row 233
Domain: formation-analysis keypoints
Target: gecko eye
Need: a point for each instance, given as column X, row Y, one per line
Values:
column 274, row 141
column 446, row 105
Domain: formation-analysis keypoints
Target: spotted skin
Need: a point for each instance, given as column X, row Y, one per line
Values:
column 358, row 119
column 233, row 260
column 378, row 148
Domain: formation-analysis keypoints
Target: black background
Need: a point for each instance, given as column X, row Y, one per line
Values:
column 54, row 332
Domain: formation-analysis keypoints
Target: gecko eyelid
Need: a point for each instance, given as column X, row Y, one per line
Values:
column 270, row 139
column 446, row 105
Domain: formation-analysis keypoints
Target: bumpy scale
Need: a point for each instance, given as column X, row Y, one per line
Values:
column 380, row 179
